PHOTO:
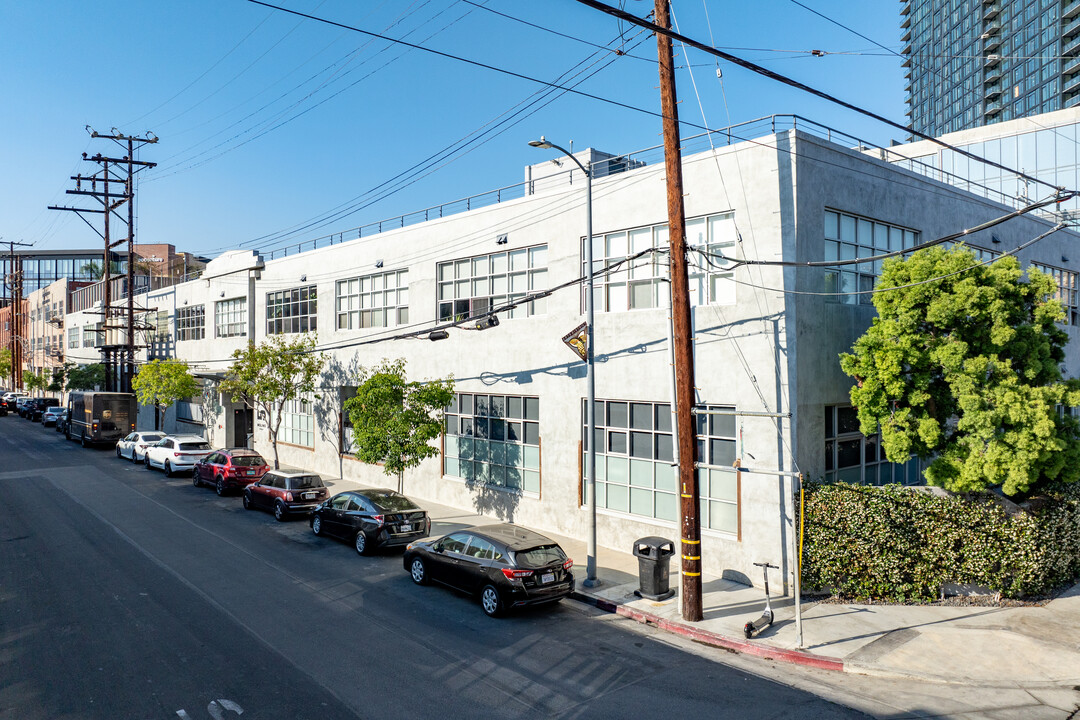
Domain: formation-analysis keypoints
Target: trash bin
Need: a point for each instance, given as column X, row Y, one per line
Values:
column 653, row 554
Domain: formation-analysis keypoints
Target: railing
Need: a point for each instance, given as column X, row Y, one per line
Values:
column 92, row 295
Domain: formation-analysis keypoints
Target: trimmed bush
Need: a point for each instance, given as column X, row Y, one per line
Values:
column 898, row 545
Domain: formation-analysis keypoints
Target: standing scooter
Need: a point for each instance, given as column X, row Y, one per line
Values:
column 756, row 626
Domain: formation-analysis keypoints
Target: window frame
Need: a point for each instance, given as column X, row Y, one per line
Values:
column 477, row 442
column 364, row 297
column 294, row 310
column 191, row 323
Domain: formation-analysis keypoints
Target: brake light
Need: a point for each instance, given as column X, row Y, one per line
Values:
column 378, row 518
column 568, row 564
column 512, row 574
column 176, row 454
column 288, row 496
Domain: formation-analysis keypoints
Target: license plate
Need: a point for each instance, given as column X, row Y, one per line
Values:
column 547, row 578
column 405, row 528
column 250, row 472
column 308, row 496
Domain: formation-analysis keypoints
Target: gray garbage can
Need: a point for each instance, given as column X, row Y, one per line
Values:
column 653, row 554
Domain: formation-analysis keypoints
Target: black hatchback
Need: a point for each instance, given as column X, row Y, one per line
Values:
column 371, row 519
column 506, row 566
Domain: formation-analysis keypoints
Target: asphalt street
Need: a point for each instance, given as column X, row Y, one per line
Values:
column 124, row 594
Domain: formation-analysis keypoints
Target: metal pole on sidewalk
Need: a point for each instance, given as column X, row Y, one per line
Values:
column 796, row 487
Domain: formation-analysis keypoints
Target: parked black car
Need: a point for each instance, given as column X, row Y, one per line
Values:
column 62, row 420
column 285, row 493
column 371, row 519
column 37, row 407
column 507, row 566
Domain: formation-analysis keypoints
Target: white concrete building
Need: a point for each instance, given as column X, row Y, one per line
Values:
column 766, row 337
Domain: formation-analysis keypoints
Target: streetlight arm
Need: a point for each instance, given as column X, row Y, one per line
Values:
column 544, row 143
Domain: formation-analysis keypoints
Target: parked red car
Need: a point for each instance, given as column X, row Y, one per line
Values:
column 229, row 469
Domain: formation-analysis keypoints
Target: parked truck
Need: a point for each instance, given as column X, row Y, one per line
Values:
column 101, row 417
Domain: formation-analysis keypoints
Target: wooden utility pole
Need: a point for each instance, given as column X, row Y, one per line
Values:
column 15, row 266
column 683, row 330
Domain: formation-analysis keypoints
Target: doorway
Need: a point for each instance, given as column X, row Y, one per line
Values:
column 243, row 421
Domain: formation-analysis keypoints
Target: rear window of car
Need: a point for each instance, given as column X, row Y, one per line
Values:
column 305, row 482
column 194, row 446
column 152, row 438
column 391, row 502
column 540, row 556
column 248, row 461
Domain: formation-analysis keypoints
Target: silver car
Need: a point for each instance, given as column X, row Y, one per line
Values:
column 176, row 452
column 133, row 447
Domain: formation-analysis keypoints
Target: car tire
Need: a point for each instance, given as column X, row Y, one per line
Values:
column 118, row 453
column 247, row 502
column 134, row 459
column 279, row 511
column 195, row 479
column 146, row 461
column 316, row 525
column 361, row 543
column 418, row 571
column 219, row 487
column 490, row 601
column 168, row 469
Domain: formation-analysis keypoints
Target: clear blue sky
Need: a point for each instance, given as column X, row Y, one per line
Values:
column 267, row 121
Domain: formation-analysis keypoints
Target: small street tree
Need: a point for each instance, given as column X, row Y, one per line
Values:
column 84, row 377
column 962, row 366
column 267, row 376
column 36, row 381
column 161, row 383
column 394, row 420
column 5, row 364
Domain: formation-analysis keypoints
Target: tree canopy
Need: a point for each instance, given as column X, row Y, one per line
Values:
column 35, row 381
column 84, row 377
column 395, row 420
column 267, row 376
column 161, row 383
column 5, row 363
column 962, row 366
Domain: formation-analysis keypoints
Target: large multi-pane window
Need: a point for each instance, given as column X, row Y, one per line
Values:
column 73, row 337
column 230, row 318
column 494, row 440
column 642, row 283
column 297, row 423
column 852, row 457
column 1068, row 283
column 634, row 456
column 191, row 323
column 292, row 311
column 849, row 237
column 92, row 336
column 471, row 287
column 378, row 300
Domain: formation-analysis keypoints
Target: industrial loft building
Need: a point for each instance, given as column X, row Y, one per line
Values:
column 766, row 337
column 976, row 62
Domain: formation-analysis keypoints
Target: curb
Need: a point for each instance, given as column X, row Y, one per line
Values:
column 767, row 652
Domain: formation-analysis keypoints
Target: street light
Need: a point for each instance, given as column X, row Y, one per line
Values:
column 590, row 379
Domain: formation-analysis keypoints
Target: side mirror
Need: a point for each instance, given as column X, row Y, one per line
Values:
column 437, row 547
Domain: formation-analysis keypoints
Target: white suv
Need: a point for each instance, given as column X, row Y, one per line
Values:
column 176, row 452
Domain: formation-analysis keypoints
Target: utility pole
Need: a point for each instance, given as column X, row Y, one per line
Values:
column 111, row 168
column 15, row 265
column 683, row 330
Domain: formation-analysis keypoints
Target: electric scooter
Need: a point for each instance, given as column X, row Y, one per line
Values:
column 756, row 626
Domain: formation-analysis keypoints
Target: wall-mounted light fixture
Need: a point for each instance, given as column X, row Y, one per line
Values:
column 1064, row 259
column 502, row 239
column 185, row 302
column 488, row 321
column 378, row 263
column 222, row 293
column 303, row 278
column 995, row 239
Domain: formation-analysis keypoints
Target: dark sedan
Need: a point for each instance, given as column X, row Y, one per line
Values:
column 506, row 566
column 371, row 519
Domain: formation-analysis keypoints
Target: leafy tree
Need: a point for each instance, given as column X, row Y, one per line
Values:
column 962, row 365
column 267, row 376
column 92, row 268
column 162, row 382
column 394, row 420
column 35, row 381
column 85, row 377
column 5, row 363
column 58, row 376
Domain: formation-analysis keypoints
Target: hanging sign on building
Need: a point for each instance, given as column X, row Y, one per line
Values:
column 577, row 340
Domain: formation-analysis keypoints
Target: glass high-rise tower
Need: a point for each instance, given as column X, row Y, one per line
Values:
column 975, row 62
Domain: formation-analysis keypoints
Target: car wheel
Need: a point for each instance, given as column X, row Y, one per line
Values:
column 168, row 469
column 361, row 543
column 195, row 479
column 134, row 457
column 118, row 453
column 146, row 461
column 490, row 601
column 220, row 487
column 247, row 502
column 418, row 571
column 279, row 511
column 316, row 525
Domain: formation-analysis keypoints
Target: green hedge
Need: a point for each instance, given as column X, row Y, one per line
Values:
column 899, row 545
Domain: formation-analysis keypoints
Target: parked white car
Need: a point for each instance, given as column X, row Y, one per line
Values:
column 176, row 452
column 133, row 447
column 50, row 415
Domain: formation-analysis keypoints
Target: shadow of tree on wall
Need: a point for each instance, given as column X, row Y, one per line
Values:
column 337, row 386
column 495, row 487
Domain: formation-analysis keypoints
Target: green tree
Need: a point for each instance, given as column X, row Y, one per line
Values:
column 161, row 383
column 36, row 381
column 962, row 366
column 84, row 377
column 394, row 420
column 267, row 376
column 5, row 363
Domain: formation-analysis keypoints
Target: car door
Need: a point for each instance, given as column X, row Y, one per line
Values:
column 127, row 445
column 446, row 558
column 155, row 454
column 204, row 469
column 333, row 515
column 473, row 562
column 263, row 491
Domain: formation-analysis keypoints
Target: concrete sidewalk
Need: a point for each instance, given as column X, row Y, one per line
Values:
column 1029, row 647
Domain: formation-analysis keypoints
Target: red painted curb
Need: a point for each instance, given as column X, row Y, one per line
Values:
column 797, row 657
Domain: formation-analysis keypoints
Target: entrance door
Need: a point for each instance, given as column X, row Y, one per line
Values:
column 243, row 420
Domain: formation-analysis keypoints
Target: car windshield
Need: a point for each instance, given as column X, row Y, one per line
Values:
column 391, row 502
column 248, row 461
column 152, row 438
column 194, row 446
column 541, row 556
column 305, row 482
